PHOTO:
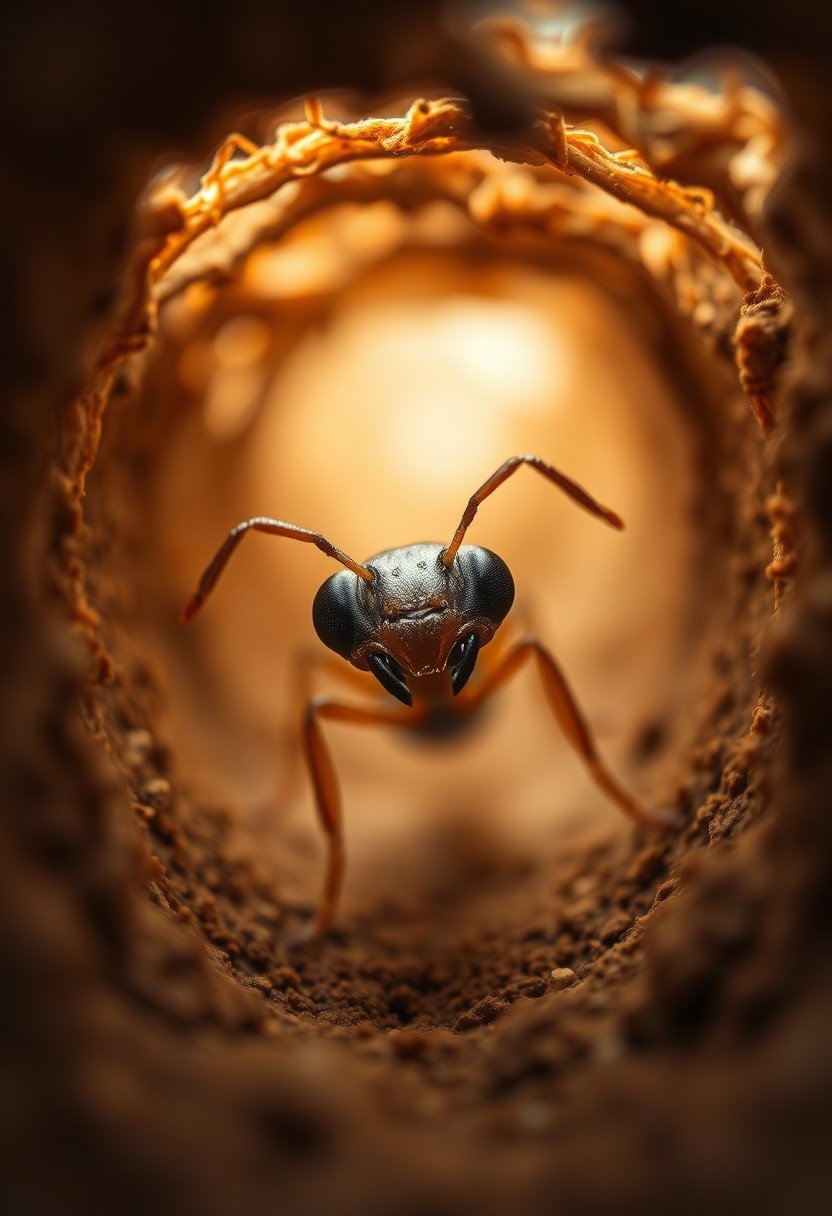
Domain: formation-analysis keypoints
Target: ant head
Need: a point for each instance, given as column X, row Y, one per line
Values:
column 416, row 617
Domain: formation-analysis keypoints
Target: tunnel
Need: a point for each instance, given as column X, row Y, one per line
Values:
column 341, row 291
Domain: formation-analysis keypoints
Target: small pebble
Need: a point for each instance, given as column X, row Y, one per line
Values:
column 138, row 746
column 561, row 977
column 156, row 793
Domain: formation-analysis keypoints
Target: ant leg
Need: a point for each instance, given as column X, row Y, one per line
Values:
column 311, row 659
column 520, row 624
column 328, row 791
column 574, row 726
column 577, row 493
column 306, row 663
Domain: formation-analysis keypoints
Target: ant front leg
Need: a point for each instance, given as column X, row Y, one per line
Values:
column 328, row 791
column 307, row 664
column 312, row 661
column 573, row 724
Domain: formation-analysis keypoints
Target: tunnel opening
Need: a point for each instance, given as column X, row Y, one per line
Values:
column 285, row 333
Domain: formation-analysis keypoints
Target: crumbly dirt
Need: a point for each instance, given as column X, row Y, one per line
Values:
column 611, row 1023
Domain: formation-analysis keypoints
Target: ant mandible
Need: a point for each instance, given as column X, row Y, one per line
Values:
column 417, row 618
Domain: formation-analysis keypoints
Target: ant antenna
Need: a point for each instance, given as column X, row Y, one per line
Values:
column 276, row 527
column 570, row 487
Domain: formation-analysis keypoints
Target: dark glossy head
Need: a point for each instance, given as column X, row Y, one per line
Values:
column 416, row 617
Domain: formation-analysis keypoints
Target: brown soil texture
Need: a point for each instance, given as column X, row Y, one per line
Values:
column 620, row 1022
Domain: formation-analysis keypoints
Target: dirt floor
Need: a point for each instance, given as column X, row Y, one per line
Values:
column 526, row 1004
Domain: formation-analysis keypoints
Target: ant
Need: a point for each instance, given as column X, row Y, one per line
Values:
column 416, row 618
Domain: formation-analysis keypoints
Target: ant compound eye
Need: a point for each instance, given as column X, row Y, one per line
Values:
column 487, row 588
column 390, row 676
column 463, row 659
column 338, row 616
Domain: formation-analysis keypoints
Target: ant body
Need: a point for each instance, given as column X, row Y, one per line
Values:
column 417, row 618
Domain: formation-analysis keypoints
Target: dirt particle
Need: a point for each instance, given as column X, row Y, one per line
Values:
column 646, row 864
column 155, row 794
column 403, row 1002
column 482, row 1013
column 284, row 978
column 138, row 744
column 531, row 988
column 666, row 889
column 615, row 927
